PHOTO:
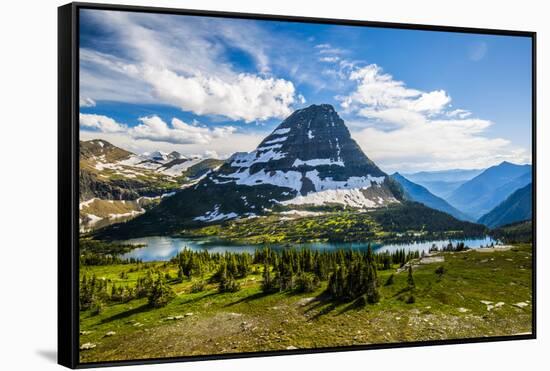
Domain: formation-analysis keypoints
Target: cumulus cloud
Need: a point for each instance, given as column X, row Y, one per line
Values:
column 378, row 91
column 182, row 62
column 244, row 96
column 408, row 129
column 155, row 129
column 100, row 123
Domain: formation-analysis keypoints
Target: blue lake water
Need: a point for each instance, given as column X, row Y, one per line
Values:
column 164, row 248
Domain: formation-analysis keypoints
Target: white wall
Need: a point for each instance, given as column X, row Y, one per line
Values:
column 28, row 182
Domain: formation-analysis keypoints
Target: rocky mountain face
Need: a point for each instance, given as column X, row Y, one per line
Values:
column 115, row 183
column 313, row 156
column 309, row 160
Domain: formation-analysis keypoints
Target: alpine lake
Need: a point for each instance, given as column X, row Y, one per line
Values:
column 163, row 248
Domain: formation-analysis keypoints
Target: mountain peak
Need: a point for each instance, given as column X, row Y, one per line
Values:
column 102, row 148
column 310, row 151
column 316, row 116
column 506, row 164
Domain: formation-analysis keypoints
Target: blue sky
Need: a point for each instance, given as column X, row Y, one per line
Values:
column 413, row 100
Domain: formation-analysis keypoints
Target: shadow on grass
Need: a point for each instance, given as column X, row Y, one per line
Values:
column 198, row 298
column 250, row 298
column 323, row 310
column 354, row 305
column 402, row 291
column 323, row 304
column 128, row 313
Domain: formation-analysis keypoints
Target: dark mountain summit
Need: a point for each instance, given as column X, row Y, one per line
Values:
column 312, row 147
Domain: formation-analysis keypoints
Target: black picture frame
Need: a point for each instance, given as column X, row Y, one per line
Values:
column 68, row 170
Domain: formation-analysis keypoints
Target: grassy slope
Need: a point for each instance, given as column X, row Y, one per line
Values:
column 250, row 321
column 387, row 224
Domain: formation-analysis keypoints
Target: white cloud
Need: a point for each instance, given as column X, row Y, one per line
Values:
column 155, row 129
column 407, row 129
column 100, row 123
column 461, row 113
column 332, row 59
column 379, row 91
column 182, row 62
column 437, row 145
column 211, row 154
column 86, row 102
column 244, row 96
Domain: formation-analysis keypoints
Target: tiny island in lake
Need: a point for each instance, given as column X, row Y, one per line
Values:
column 254, row 220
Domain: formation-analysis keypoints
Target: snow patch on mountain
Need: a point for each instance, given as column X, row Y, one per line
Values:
column 281, row 131
column 215, row 215
column 178, row 169
column 289, row 179
column 352, row 182
column 270, row 147
column 276, row 140
column 254, row 157
column 349, row 197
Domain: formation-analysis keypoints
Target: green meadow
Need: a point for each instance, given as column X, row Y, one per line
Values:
column 466, row 294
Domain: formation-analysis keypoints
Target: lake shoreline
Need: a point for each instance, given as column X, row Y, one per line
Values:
column 163, row 248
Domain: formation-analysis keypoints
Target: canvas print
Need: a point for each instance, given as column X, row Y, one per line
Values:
column 252, row 185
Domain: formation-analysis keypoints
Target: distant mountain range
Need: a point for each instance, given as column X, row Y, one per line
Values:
column 517, row 207
column 418, row 193
column 442, row 183
column 479, row 195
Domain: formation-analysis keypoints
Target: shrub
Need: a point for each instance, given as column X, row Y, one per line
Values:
column 228, row 285
column 410, row 300
column 306, row 282
column 440, row 271
column 389, row 281
column 198, row 286
column 160, row 294
column 96, row 307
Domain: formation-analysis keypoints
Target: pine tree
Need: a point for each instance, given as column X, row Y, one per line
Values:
column 267, row 282
column 161, row 294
